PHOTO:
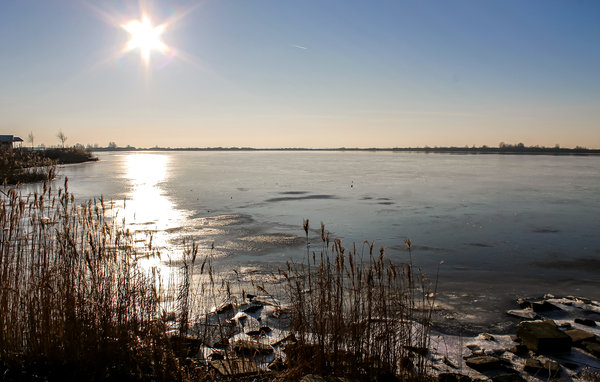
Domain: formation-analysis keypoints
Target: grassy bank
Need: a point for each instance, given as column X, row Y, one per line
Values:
column 68, row 155
column 76, row 303
column 23, row 166
column 26, row 166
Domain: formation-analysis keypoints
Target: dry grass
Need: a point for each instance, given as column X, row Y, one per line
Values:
column 75, row 303
column 68, row 155
column 355, row 314
column 590, row 376
column 23, row 166
column 26, row 166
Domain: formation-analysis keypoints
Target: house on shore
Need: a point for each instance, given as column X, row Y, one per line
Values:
column 7, row 141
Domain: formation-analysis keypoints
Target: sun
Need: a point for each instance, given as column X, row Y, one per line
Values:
column 145, row 37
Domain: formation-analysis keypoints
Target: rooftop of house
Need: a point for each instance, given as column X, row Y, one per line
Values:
column 10, row 138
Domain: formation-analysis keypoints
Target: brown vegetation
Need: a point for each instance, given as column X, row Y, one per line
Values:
column 23, row 166
column 68, row 155
column 76, row 304
column 356, row 314
column 26, row 166
column 73, row 302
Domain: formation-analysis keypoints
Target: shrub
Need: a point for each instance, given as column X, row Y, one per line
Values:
column 23, row 166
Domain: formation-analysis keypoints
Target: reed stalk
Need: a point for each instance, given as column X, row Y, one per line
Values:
column 75, row 302
column 355, row 314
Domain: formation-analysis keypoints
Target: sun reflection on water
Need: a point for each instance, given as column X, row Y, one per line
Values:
column 147, row 203
column 149, row 212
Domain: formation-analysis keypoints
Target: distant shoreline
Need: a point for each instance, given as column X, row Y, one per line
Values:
column 433, row 150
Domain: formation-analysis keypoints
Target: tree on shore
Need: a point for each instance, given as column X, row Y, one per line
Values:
column 62, row 138
column 30, row 139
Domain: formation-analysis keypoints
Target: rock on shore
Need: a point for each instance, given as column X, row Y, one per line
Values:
column 557, row 339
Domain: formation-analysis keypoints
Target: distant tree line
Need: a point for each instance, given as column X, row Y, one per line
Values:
column 507, row 148
column 503, row 148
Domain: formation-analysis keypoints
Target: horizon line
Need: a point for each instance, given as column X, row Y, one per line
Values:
column 480, row 149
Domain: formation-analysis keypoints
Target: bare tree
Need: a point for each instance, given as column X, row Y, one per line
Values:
column 61, row 137
column 30, row 139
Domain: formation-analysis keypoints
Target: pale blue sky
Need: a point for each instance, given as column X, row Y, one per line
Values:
column 304, row 73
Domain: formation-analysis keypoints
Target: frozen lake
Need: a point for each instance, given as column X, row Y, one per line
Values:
column 504, row 225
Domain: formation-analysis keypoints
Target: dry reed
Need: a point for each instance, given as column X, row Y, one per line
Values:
column 73, row 300
column 22, row 166
column 357, row 314
column 75, row 303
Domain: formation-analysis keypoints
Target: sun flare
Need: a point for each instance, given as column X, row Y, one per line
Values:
column 145, row 37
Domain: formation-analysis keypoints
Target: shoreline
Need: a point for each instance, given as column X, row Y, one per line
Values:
column 426, row 150
column 260, row 333
column 567, row 347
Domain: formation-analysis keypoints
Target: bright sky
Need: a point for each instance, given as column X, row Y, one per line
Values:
column 278, row 73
